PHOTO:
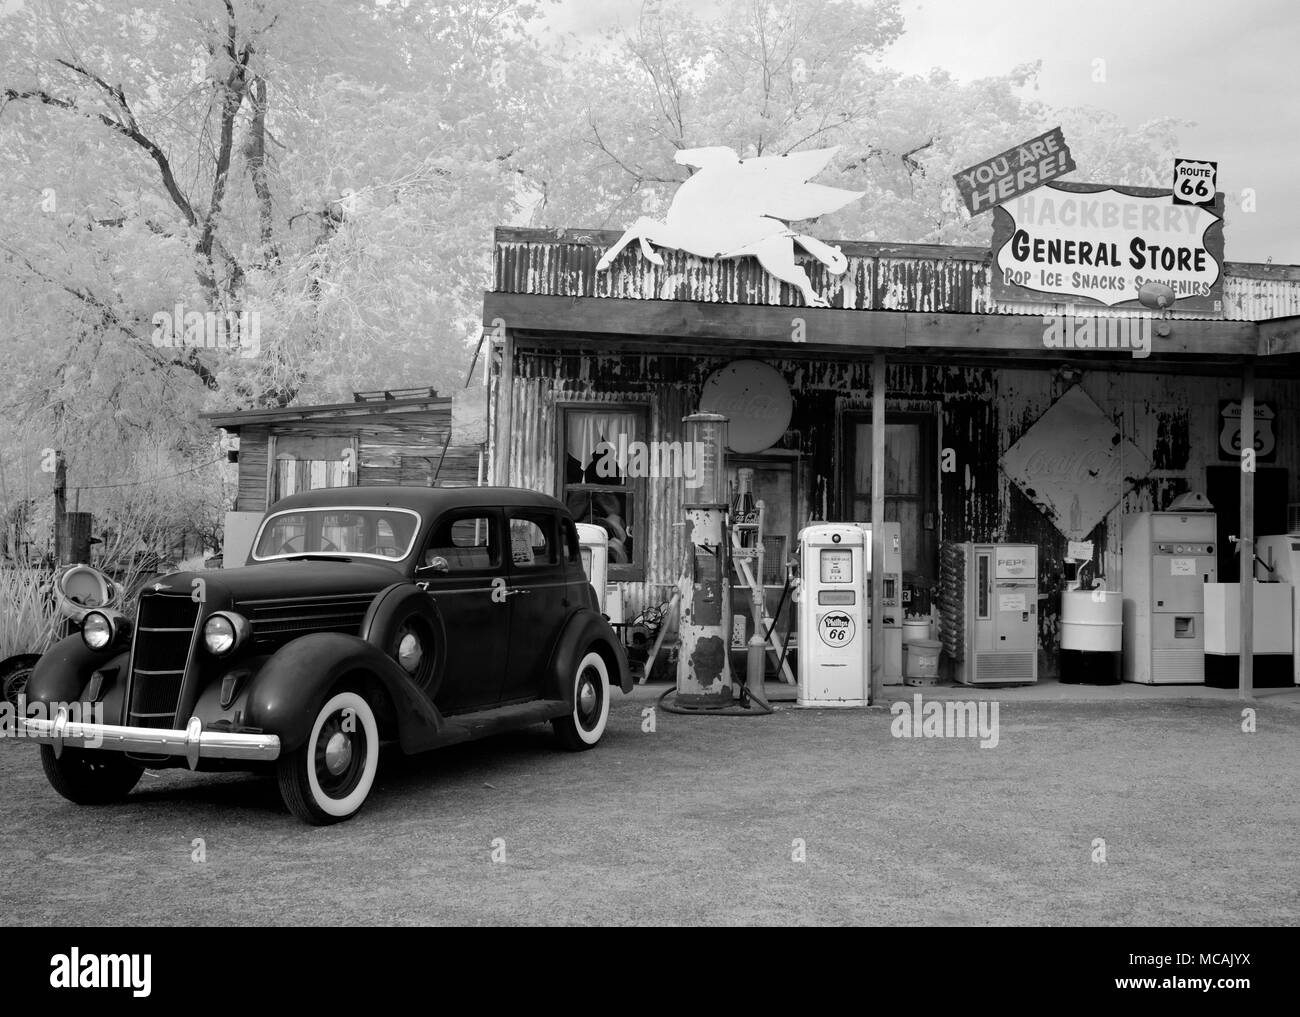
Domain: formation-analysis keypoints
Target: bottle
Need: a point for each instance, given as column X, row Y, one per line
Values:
column 742, row 509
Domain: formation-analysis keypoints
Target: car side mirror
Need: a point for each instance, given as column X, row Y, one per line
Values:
column 436, row 564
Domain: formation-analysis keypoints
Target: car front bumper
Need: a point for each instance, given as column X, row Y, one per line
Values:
column 193, row 743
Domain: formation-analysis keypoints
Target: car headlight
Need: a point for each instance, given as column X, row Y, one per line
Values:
column 224, row 632
column 97, row 630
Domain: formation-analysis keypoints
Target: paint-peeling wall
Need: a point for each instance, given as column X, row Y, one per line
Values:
column 981, row 412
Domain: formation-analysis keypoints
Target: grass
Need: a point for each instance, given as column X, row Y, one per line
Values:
column 27, row 614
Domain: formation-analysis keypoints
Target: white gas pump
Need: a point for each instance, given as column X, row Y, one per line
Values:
column 834, row 636
column 594, row 547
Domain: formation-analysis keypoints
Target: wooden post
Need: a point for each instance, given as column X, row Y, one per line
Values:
column 61, row 549
column 876, row 689
column 505, row 409
column 1246, row 544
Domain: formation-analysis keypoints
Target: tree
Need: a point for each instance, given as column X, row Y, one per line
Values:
column 773, row 77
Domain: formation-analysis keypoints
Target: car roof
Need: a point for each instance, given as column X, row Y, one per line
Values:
column 427, row 500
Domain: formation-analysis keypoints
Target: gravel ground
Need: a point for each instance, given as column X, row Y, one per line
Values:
column 699, row 822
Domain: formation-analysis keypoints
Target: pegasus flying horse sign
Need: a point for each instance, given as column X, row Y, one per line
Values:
column 735, row 208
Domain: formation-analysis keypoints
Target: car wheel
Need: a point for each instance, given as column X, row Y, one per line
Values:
column 412, row 647
column 14, row 674
column 90, row 776
column 327, row 779
column 585, row 724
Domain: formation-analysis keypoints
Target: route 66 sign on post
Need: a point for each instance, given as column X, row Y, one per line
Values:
column 1230, row 446
column 1195, row 182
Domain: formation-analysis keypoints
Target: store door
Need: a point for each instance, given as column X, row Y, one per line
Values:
column 1223, row 489
column 910, row 495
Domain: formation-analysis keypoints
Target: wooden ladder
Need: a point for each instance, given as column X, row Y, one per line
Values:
column 742, row 555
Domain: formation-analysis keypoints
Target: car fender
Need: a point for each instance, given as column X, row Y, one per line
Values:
column 387, row 610
column 64, row 669
column 283, row 697
column 584, row 628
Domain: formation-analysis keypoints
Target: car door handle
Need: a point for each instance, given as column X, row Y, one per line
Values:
column 511, row 593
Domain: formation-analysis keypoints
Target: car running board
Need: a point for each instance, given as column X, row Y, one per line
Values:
column 482, row 723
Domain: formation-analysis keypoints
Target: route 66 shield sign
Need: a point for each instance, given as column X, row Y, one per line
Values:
column 1195, row 182
column 1230, row 445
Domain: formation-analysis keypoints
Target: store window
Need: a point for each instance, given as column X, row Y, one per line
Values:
column 595, row 484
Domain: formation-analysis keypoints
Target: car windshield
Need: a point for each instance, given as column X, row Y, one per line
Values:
column 384, row 532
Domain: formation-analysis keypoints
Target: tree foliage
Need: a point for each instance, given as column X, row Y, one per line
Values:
column 336, row 168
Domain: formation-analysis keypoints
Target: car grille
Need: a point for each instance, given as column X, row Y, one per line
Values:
column 278, row 622
column 163, row 636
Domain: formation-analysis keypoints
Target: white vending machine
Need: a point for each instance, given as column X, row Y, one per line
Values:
column 1281, row 553
column 1168, row 559
column 988, row 604
column 891, row 564
column 594, row 547
column 834, row 637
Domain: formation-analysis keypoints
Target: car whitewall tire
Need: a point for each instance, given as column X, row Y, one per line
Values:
column 585, row 725
column 330, row 777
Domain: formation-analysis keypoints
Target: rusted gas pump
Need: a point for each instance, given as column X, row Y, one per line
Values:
column 703, row 665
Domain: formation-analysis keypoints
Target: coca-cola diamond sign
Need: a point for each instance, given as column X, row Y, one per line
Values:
column 1072, row 464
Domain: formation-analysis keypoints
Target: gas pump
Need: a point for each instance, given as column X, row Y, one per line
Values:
column 891, row 600
column 834, row 637
column 703, row 666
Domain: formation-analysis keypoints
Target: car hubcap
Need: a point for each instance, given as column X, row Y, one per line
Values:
column 340, row 757
column 410, row 653
column 589, row 698
column 338, row 753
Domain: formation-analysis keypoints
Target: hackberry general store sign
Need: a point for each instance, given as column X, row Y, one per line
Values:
column 1097, row 243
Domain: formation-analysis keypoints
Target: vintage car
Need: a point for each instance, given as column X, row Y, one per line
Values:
column 421, row 616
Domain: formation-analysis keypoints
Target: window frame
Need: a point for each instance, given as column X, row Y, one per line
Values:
column 635, row 487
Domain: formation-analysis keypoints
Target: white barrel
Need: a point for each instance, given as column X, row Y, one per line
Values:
column 1092, row 620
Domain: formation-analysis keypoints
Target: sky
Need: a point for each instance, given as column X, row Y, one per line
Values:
column 1231, row 69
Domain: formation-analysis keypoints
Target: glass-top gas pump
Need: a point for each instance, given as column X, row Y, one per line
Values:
column 703, row 667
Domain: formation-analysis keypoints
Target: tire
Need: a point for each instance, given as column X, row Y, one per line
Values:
column 90, row 776
column 585, row 724
column 14, row 675
column 414, row 635
column 327, row 779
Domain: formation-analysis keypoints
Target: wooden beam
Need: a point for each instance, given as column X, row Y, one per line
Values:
column 1246, row 541
column 831, row 328
column 1279, row 336
column 505, row 408
column 877, row 678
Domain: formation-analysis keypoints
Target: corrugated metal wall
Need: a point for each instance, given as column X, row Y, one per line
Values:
column 879, row 277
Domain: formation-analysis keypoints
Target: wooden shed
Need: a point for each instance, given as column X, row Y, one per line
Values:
column 402, row 436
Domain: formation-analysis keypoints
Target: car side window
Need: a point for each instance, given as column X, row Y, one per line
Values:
column 532, row 540
column 572, row 545
column 462, row 544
